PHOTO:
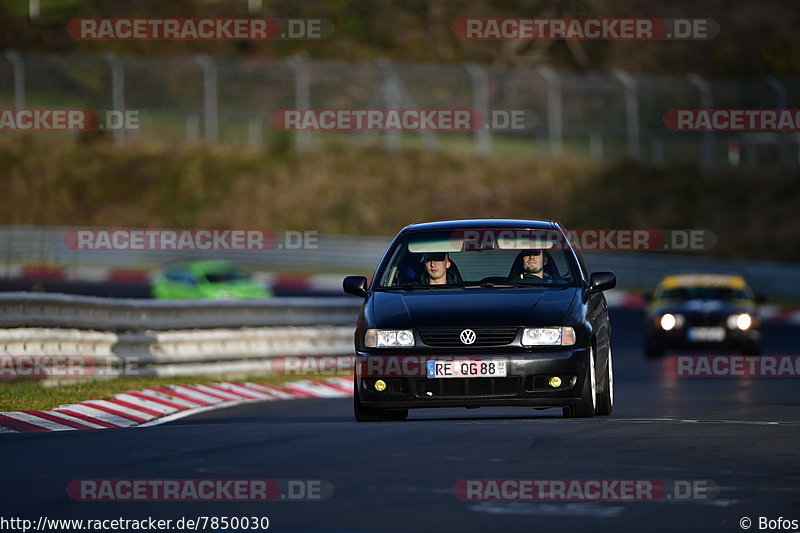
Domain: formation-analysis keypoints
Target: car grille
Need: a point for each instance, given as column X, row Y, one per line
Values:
column 449, row 337
column 471, row 387
column 705, row 320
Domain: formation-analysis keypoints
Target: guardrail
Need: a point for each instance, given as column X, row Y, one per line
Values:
column 58, row 336
column 66, row 354
column 88, row 312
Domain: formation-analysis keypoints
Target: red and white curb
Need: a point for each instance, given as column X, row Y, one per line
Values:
column 157, row 405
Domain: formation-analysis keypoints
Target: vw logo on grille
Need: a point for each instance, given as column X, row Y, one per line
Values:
column 467, row 336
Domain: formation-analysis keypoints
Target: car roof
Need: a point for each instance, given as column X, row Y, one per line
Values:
column 703, row 279
column 504, row 223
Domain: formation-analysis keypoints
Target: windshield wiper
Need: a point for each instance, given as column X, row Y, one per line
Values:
column 493, row 285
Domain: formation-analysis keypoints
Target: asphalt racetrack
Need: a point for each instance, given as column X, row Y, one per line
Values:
column 741, row 434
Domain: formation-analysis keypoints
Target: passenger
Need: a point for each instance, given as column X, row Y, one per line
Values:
column 437, row 271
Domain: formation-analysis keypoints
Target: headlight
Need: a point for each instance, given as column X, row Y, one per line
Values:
column 742, row 321
column 554, row 336
column 389, row 338
column 670, row 321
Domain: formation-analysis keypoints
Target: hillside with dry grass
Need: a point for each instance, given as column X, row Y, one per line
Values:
column 370, row 192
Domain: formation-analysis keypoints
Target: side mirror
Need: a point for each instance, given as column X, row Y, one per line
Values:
column 602, row 281
column 355, row 285
column 761, row 299
column 647, row 297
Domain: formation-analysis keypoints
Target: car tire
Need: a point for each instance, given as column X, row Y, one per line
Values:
column 365, row 414
column 605, row 401
column 588, row 404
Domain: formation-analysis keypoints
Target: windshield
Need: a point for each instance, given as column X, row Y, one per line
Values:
column 223, row 276
column 478, row 258
column 704, row 293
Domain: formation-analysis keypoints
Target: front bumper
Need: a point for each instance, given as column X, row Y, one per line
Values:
column 678, row 340
column 525, row 384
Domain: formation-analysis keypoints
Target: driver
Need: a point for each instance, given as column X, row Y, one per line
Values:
column 533, row 263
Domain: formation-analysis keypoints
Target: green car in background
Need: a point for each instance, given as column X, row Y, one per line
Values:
column 208, row 280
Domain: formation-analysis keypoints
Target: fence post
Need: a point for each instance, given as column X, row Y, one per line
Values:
column 706, row 102
column 631, row 110
column 117, row 93
column 554, row 117
column 192, row 128
column 18, row 65
column 480, row 102
column 210, row 111
column 783, row 103
column 657, row 150
column 392, row 99
column 255, row 132
column 302, row 98
column 33, row 9
column 596, row 146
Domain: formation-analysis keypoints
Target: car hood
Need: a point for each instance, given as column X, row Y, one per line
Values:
column 471, row 307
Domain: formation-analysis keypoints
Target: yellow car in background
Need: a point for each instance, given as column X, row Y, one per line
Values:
column 702, row 311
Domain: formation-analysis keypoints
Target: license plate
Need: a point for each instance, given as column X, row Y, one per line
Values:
column 705, row 334
column 467, row 369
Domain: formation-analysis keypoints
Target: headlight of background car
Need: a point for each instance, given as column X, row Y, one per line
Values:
column 389, row 338
column 742, row 321
column 548, row 336
column 669, row 321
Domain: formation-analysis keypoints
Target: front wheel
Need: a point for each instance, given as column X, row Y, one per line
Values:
column 588, row 403
column 605, row 401
column 365, row 414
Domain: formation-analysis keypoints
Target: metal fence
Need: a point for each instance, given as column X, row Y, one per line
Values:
column 599, row 115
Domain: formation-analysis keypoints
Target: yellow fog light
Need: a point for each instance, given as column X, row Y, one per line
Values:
column 555, row 382
column 380, row 385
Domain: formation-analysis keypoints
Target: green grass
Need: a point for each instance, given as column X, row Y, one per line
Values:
column 34, row 396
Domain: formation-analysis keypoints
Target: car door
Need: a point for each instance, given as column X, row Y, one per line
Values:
column 598, row 316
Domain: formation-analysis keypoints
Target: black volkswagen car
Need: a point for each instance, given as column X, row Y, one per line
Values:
column 480, row 313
